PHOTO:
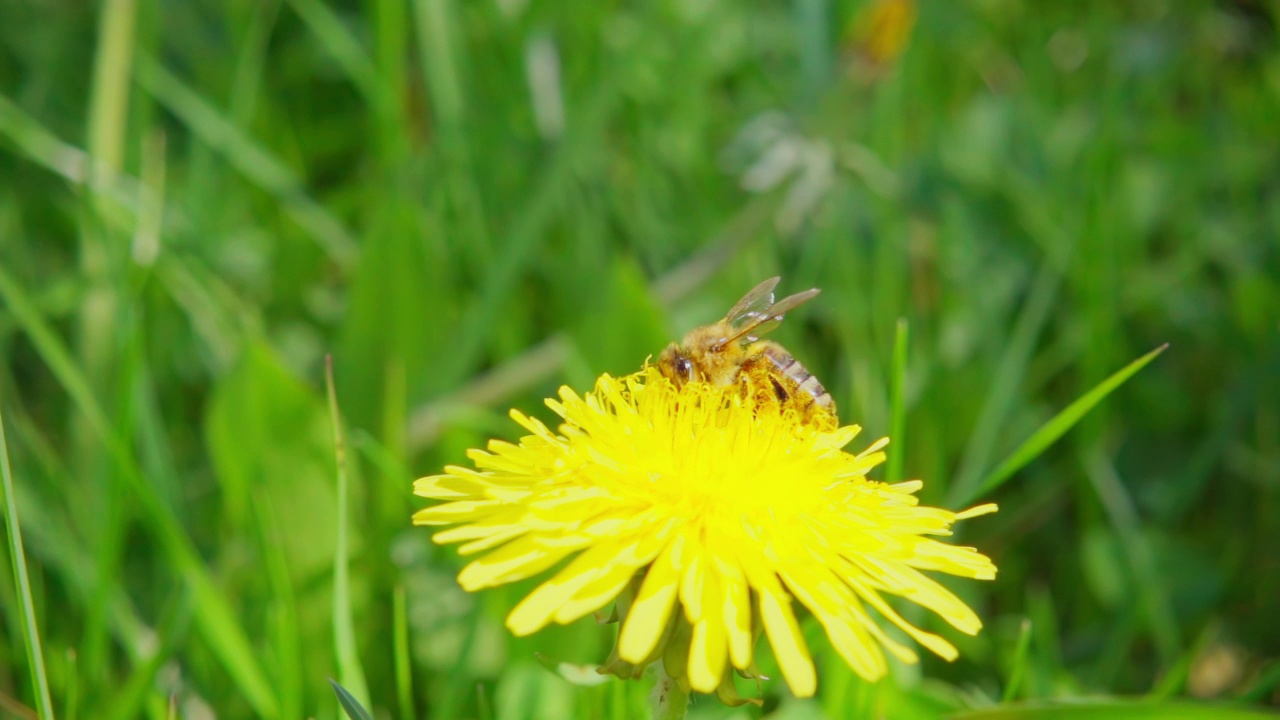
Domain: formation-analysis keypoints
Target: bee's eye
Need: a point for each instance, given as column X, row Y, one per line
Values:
column 684, row 368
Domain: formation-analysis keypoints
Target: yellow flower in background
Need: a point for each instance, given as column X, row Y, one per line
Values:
column 880, row 31
column 717, row 515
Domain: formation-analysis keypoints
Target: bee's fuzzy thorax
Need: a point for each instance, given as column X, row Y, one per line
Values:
column 716, row 361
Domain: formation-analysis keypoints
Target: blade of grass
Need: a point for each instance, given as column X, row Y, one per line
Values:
column 109, row 103
column 1019, row 662
column 134, row 692
column 98, row 318
column 897, row 408
column 1268, row 680
column 394, row 414
column 1007, row 378
column 107, row 138
column 49, row 151
column 71, row 704
column 284, row 608
column 455, row 694
column 1153, row 594
column 346, row 51
column 26, row 607
column 437, row 37
column 248, row 75
column 252, row 160
column 528, row 228
column 391, row 38
column 1046, row 650
column 404, row 669
column 483, row 709
column 443, row 61
column 350, row 705
column 214, row 616
column 17, row 709
column 74, row 165
column 1174, row 681
column 813, row 33
column 1048, row 433
column 146, row 237
column 344, row 634
column 50, row 536
column 1113, row 709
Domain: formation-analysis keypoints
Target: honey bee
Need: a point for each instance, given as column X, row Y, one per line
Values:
column 731, row 351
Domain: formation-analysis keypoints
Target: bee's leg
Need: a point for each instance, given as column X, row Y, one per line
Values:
column 765, row 382
column 779, row 391
column 762, row 384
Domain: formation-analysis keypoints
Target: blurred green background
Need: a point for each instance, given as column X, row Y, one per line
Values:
column 470, row 203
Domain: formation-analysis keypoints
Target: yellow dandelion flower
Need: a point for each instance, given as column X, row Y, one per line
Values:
column 719, row 514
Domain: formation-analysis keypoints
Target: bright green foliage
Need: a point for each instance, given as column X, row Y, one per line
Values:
column 18, row 558
column 470, row 203
column 351, row 706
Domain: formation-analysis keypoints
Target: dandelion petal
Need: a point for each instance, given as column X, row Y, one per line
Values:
column 652, row 607
column 788, row 644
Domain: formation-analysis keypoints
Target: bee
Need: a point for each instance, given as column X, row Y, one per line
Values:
column 731, row 351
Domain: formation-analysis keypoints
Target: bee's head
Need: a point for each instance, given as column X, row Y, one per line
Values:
column 676, row 366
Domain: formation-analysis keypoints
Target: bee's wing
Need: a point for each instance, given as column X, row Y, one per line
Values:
column 752, row 306
column 773, row 318
column 769, row 318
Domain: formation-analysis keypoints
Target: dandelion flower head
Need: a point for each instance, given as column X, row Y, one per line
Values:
column 707, row 517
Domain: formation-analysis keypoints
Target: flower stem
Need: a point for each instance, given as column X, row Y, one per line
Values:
column 672, row 700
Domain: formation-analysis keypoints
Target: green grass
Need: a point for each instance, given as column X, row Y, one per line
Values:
column 468, row 204
column 26, row 609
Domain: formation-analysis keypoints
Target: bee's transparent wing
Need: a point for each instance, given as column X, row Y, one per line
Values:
column 753, row 306
column 751, row 324
column 773, row 318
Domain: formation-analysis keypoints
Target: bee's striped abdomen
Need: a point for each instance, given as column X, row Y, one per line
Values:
column 792, row 383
